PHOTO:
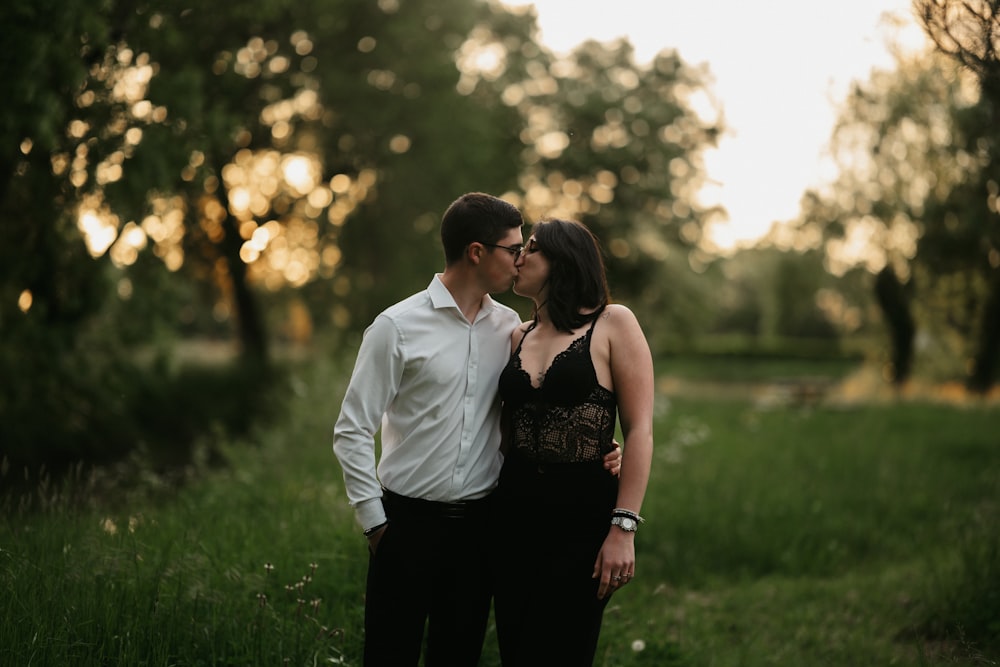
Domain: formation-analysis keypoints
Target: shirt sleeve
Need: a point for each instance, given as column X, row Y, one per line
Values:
column 372, row 387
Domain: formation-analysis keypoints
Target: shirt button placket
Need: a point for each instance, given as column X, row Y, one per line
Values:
column 469, row 409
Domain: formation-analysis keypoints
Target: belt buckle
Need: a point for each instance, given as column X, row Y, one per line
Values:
column 456, row 510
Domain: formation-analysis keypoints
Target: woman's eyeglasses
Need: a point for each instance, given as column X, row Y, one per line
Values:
column 530, row 247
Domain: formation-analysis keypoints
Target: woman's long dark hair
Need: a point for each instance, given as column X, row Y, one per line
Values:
column 577, row 279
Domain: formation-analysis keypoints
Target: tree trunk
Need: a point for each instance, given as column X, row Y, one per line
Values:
column 988, row 344
column 249, row 322
column 896, row 308
column 253, row 337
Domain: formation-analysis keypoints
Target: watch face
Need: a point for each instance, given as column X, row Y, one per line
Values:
column 625, row 523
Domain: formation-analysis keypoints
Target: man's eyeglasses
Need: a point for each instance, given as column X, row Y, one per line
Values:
column 514, row 250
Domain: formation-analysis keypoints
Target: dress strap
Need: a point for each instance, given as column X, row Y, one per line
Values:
column 527, row 331
column 593, row 323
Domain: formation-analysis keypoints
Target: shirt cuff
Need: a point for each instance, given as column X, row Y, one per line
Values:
column 370, row 513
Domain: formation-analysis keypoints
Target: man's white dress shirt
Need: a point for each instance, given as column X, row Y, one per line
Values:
column 428, row 378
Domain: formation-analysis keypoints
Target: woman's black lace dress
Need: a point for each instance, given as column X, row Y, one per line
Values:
column 553, row 509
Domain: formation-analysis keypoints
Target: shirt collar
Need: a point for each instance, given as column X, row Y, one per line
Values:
column 442, row 298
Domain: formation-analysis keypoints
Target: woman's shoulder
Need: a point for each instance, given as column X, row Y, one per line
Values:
column 624, row 335
column 619, row 322
column 618, row 314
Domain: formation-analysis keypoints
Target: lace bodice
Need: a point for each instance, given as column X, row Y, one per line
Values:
column 569, row 418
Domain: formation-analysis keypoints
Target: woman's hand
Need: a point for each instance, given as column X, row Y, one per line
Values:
column 615, row 564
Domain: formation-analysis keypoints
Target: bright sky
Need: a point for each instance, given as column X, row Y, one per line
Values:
column 779, row 67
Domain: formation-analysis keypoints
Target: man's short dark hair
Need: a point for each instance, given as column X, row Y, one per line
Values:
column 476, row 216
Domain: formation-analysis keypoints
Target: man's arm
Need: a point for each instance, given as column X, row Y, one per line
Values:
column 373, row 384
column 613, row 459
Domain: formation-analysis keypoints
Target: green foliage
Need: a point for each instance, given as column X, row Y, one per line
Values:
column 49, row 47
column 82, row 400
column 138, row 110
column 770, row 293
column 220, row 75
column 619, row 147
column 200, row 110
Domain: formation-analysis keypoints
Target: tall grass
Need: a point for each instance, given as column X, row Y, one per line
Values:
column 787, row 535
column 821, row 536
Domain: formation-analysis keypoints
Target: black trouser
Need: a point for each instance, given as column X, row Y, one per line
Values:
column 431, row 568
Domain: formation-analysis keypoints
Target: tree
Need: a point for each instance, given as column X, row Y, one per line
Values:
column 909, row 204
column 969, row 33
column 311, row 139
column 238, row 157
column 617, row 146
column 50, row 287
column 250, row 149
column 49, row 50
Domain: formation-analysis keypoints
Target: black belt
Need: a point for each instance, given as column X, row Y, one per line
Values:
column 462, row 509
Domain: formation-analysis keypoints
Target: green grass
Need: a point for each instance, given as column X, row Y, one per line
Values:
column 817, row 537
column 784, row 536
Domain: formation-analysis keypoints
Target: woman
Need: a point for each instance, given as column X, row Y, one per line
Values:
column 565, row 527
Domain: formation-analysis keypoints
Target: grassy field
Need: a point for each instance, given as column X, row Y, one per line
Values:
column 781, row 530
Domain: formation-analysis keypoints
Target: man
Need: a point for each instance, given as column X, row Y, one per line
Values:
column 427, row 373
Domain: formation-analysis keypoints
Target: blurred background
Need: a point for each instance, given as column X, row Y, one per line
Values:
column 194, row 200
